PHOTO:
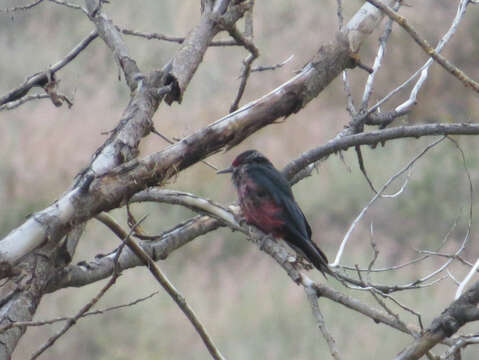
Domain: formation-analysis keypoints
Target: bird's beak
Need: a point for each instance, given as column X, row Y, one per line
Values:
column 225, row 171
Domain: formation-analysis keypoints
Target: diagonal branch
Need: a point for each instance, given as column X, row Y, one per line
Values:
column 72, row 321
column 377, row 196
column 313, row 300
column 21, row 8
column 14, row 104
column 87, row 314
column 169, row 288
column 460, row 312
column 93, row 196
column 424, row 44
column 174, row 39
column 42, row 78
column 245, row 72
column 112, row 38
column 78, row 275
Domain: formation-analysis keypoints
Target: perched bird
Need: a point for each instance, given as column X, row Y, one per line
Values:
column 267, row 202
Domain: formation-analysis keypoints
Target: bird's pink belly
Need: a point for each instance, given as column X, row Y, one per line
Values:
column 264, row 216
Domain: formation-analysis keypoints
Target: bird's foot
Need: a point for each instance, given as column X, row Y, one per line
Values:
column 241, row 220
column 262, row 241
column 303, row 263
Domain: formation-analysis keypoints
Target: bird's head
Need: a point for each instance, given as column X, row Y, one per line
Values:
column 246, row 158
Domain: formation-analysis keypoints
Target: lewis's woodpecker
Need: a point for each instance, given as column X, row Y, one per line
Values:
column 267, row 202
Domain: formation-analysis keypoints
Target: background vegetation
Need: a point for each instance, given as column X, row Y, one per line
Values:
column 249, row 306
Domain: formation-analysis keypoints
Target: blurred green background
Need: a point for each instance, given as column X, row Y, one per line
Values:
column 248, row 304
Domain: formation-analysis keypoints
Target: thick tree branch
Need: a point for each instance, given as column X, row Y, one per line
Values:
column 93, row 196
column 460, row 312
column 190, row 55
column 374, row 138
column 169, row 288
column 84, row 273
column 102, row 266
column 112, row 38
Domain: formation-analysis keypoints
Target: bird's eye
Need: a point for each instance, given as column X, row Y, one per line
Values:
column 261, row 193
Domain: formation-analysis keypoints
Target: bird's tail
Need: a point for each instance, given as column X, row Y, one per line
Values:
column 314, row 255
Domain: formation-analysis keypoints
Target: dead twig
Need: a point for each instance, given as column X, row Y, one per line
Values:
column 273, row 67
column 42, row 78
column 20, row 8
column 170, row 289
column 313, row 301
column 90, row 313
column 424, row 44
column 245, row 72
column 72, row 321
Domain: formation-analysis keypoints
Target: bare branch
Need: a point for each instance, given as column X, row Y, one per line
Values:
column 350, row 102
column 460, row 343
column 248, row 21
column 69, row 5
column 21, row 8
column 460, row 312
column 377, row 62
column 423, row 71
column 289, row 98
column 42, row 78
column 175, row 39
column 355, row 305
column 170, row 289
column 14, row 104
column 72, row 321
column 90, row 313
column 428, row 49
column 339, row 13
column 273, row 67
column 377, row 137
column 375, row 197
column 313, row 300
column 112, row 38
column 466, row 280
column 245, row 72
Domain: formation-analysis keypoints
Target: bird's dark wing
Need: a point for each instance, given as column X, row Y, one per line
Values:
column 277, row 187
column 297, row 231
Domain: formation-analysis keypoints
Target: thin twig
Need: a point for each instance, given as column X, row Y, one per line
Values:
column 90, row 304
column 466, row 280
column 363, row 169
column 368, row 87
column 248, row 21
column 347, row 88
column 174, row 39
column 19, row 8
column 14, row 104
column 376, row 196
column 424, row 44
column 169, row 141
column 460, row 343
column 90, row 313
column 339, row 13
column 313, row 300
column 245, row 72
column 374, row 292
column 423, row 70
column 42, row 78
column 69, row 5
column 273, row 67
column 170, row 289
